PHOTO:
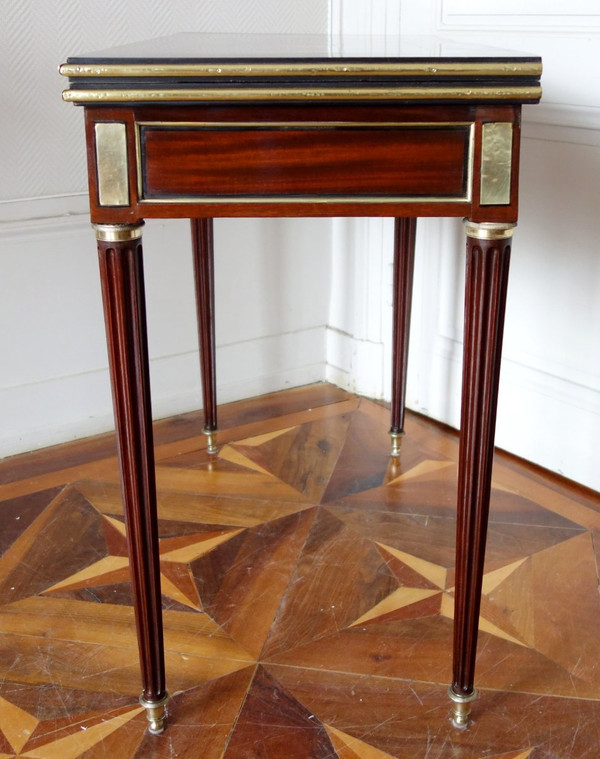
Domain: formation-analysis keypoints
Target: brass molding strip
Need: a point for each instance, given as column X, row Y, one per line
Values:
column 118, row 232
column 304, row 199
column 428, row 69
column 280, row 94
column 301, row 124
column 489, row 230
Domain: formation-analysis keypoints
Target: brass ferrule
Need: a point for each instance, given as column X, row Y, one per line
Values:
column 396, row 438
column 461, row 708
column 211, row 440
column 155, row 712
column 118, row 232
column 489, row 230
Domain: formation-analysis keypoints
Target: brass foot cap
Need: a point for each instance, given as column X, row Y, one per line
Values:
column 211, row 440
column 156, row 713
column 396, row 442
column 461, row 708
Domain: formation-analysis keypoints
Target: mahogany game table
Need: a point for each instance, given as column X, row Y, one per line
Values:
column 204, row 126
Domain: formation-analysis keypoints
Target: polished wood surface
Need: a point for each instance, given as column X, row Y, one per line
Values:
column 123, row 295
column 405, row 231
column 358, row 192
column 485, row 304
column 308, row 593
column 204, row 279
column 427, row 57
column 278, row 161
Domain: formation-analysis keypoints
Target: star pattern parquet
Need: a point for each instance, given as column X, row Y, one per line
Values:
column 308, row 588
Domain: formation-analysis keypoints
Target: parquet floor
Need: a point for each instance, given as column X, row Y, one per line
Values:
column 308, row 595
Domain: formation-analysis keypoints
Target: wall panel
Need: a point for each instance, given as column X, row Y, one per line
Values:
column 53, row 376
column 549, row 409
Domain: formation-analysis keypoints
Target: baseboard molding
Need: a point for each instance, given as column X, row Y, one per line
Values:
column 543, row 418
column 355, row 365
column 64, row 409
column 26, row 213
column 54, row 383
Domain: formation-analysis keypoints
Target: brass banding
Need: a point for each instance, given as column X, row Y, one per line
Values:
column 424, row 69
column 457, row 698
column 282, row 94
column 301, row 124
column 306, row 199
column 496, row 163
column 118, row 232
column 111, row 163
column 487, row 230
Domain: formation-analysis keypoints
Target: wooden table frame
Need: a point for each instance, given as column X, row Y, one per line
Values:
column 304, row 136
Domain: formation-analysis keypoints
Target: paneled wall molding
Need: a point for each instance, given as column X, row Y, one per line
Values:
column 574, row 117
column 563, row 384
column 39, row 210
column 54, row 383
column 42, row 151
column 40, row 228
column 576, row 16
column 377, row 17
column 354, row 364
column 59, row 409
column 359, row 326
column 549, row 410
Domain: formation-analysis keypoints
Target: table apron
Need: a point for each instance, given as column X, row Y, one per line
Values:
column 148, row 163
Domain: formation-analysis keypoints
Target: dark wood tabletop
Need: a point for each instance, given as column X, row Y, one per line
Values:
column 200, row 67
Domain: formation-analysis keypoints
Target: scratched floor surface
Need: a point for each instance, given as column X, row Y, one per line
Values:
column 308, row 596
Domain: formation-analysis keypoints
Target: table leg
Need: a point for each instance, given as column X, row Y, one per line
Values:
column 488, row 254
column 404, row 256
column 120, row 256
column 203, row 250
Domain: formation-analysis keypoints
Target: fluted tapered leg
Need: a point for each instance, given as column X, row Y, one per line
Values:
column 203, row 251
column 404, row 256
column 121, row 271
column 488, row 255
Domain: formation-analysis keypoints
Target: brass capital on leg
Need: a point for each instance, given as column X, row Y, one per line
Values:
column 155, row 712
column 489, row 230
column 118, row 232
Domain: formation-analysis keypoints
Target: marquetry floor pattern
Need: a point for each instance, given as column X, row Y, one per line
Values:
column 308, row 596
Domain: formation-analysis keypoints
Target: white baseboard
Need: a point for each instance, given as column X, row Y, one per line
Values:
column 355, row 365
column 54, row 384
column 67, row 408
column 543, row 417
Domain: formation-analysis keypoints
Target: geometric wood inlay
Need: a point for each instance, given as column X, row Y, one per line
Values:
column 307, row 587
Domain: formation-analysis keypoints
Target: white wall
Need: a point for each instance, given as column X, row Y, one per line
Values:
column 53, row 375
column 549, row 409
column 53, row 378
